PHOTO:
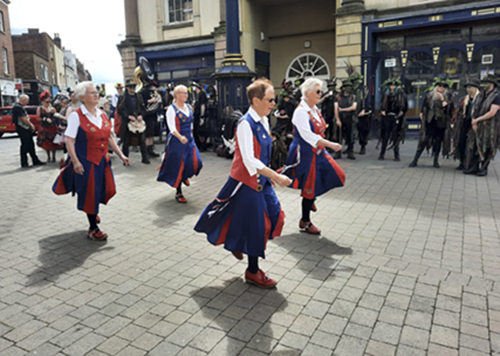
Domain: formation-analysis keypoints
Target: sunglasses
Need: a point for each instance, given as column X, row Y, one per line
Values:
column 319, row 92
column 272, row 100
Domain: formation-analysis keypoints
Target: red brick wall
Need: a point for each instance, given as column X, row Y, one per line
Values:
column 5, row 41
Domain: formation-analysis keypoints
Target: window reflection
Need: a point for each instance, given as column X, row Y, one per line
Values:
column 419, row 76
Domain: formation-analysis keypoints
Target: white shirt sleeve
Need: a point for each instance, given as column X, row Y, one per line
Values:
column 73, row 125
column 244, row 135
column 114, row 100
column 301, row 121
column 171, row 119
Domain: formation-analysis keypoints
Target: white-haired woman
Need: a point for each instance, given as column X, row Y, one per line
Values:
column 181, row 159
column 310, row 166
column 87, row 172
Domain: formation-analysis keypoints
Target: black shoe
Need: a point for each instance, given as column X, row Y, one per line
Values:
column 397, row 159
column 363, row 150
column 381, row 157
column 460, row 167
column 145, row 161
column 471, row 171
column 338, row 155
column 39, row 163
column 350, row 155
column 413, row 163
column 482, row 172
column 26, row 165
column 346, row 151
column 153, row 154
column 436, row 164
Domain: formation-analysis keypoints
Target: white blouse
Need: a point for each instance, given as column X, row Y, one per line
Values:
column 74, row 121
column 171, row 118
column 244, row 136
column 301, row 121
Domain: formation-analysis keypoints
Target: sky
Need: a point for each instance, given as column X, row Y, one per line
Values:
column 91, row 30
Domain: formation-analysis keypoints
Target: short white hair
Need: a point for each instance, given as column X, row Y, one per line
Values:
column 81, row 89
column 309, row 85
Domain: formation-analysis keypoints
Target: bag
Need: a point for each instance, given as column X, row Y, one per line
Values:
column 137, row 127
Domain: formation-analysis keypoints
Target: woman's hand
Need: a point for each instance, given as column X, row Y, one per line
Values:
column 125, row 159
column 335, row 146
column 283, row 180
column 184, row 140
column 339, row 124
column 49, row 121
column 78, row 167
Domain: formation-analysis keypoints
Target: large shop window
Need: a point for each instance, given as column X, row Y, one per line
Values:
column 486, row 60
column 308, row 65
column 452, row 64
column 419, row 76
column 179, row 11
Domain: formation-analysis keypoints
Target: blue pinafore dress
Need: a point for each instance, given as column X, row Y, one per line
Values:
column 244, row 218
column 312, row 169
column 180, row 161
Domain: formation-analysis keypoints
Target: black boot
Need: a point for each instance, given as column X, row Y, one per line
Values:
column 381, row 157
column 460, row 167
column 436, row 163
column 350, row 155
column 363, row 150
column 396, row 154
column 144, row 153
column 415, row 159
column 152, row 153
column 338, row 155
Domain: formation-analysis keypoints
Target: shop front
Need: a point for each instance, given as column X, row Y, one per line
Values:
column 457, row 45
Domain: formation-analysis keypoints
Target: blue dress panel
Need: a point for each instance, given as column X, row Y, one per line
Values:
column 96, row 185
column 312, row 169
column 243, row 218
column 180, row 161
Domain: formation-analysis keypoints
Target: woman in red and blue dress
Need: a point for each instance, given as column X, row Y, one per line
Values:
column 48, row 127
column 247, row 213
column 181, row 159
column 87, row 172
column 310, row 166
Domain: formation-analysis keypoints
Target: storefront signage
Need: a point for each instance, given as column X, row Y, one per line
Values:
column 487, row 59
column 418, row 83
column 390, row 62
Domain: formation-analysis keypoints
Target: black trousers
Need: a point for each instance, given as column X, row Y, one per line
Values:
column 125, row 136
column 27, row 146
column 348, row 130
column 435, row 133
column 388, row 128
column 462, row 143
column 364, row 124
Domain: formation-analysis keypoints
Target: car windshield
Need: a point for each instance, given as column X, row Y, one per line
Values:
column 5, row 111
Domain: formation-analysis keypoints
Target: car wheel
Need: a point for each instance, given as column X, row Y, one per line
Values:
column 1, row 134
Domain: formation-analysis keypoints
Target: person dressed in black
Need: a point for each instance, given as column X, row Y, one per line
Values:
column 437, row 110
column 463, row 122
column 129, row 108
column 363, row 110
column 484, row 138
column 284, row 115
column 152, row 104
column 392, row 117
column 25, row 129
column 328, row 113
column 200, row 110
column 345, row 111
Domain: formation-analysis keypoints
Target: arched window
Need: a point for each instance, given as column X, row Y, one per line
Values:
column 308, row 65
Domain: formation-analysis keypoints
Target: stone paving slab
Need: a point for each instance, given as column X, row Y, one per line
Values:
column 407, row 264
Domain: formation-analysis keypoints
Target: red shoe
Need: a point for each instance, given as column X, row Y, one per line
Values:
column 97, row 235
column 237, row 254
column 187, row 183
column 97, row 219
column 260, row 279
column 180, row 198
column 313, row 208
column 309, row 228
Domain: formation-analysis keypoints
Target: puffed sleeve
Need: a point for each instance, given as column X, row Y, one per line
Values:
column 244, row 135
column 301, row 122
column 73, row 125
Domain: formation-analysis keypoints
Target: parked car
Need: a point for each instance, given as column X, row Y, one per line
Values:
column 6, row 124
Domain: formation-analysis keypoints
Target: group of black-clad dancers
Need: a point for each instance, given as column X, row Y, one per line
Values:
column 246, row 213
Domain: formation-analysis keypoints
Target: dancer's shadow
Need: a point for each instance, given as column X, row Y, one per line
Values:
column 317, row 256
column 60, row 254
column 169, row 212
column 242, row 312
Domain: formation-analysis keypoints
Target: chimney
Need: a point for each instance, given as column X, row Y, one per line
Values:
column 33, row 31
column 57, row 40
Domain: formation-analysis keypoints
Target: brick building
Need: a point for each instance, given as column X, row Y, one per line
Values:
column 7, row 70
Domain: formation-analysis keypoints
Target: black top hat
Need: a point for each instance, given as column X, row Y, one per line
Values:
column 346, row 83
column 490, row 79
column 196, row 85
column 472, row 83
column 129, row 83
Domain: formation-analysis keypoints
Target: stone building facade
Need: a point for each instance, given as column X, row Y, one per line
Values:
column 7, row 70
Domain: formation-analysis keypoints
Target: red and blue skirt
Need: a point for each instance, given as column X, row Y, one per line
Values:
column 242, row 219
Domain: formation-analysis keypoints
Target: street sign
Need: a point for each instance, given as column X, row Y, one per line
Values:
column 390, row 62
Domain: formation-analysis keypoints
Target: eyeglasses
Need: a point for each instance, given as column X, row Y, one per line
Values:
column 319, row 92
column 182, row 92
column 272, row 100
column 93, row 93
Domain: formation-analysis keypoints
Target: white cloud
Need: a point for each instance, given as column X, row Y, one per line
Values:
column 91, row 29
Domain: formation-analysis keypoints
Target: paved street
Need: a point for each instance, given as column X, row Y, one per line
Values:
column 408, row 263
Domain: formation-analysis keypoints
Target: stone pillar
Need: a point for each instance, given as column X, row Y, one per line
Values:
column 132, row 38
column 348, row 36
column 220, row 36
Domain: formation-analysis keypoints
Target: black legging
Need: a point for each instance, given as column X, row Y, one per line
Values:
column 306, row 209
column 92, row 221
column 253, row 264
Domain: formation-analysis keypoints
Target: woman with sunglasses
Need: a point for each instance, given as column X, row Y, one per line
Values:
column 247, row 213
column 308, row 164
column 181, row 159
column 48, row 127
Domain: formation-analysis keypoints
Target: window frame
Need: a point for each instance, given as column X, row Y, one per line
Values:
column 168, row 11
column 5, row 55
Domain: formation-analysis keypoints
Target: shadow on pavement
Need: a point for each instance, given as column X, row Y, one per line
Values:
column 315, row 254
column 169, row 212
column 60, row 254
column 237, row 309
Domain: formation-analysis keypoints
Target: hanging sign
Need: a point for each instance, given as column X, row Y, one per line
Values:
column 390, row 62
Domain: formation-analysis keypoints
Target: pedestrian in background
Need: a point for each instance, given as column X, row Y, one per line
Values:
column 345, row 111
column 181, row 159
column 25, row 129
column 308, row 164
column 247, row 212
column 152, row 105
column 48, row 129
column 87, row 172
